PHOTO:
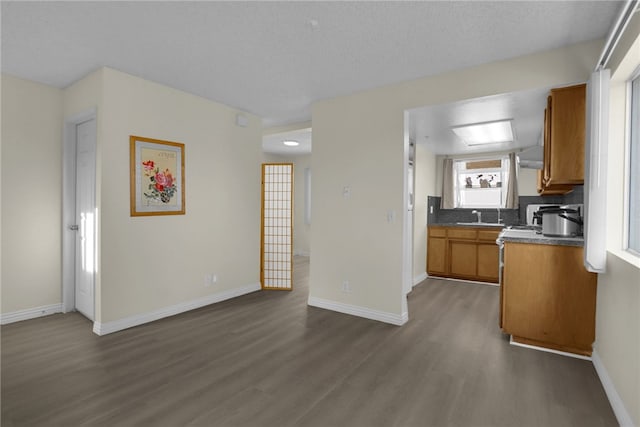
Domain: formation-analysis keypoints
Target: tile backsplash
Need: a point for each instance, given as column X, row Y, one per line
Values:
column 509, row 216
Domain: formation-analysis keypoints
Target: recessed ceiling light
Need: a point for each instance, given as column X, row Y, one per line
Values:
column 290, row 143
column 485, row 133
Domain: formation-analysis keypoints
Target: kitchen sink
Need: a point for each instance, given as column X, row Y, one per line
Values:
column 482, row 224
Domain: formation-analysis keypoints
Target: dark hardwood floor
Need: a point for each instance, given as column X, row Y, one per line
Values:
column 267, row 359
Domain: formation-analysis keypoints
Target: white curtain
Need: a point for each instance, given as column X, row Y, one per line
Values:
column 448, row 186
column 512, row 184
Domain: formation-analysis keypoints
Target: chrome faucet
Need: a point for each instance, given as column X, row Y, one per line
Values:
column 479, row 215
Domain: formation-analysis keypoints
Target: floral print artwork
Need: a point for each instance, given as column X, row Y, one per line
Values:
column 162, row 185
column 158, row 177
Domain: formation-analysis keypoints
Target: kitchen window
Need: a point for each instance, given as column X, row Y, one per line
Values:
column 481, row 183
column 633, row 187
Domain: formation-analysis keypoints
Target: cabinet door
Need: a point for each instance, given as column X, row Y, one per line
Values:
column 549, row 297
column 462, row 258
column 488, row 261
column 436, row 256
column 546, row 164
column 567, row 135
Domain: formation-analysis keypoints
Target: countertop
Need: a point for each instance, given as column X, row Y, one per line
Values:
column 532, row 236
column 520, row 236
column 466, row 224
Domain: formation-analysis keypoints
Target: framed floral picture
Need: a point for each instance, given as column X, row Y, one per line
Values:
column 156, row 177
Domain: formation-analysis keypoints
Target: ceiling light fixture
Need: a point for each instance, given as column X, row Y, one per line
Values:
column 290, row 143
column 485, row 133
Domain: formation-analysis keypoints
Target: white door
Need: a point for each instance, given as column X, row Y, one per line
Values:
column 85, row 256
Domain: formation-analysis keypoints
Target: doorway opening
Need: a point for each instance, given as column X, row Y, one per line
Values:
column 79, row 219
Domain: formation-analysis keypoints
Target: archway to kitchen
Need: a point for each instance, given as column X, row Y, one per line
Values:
column 292, row 144
column 430, row 139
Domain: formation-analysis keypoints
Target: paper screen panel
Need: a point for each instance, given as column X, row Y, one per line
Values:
column 277, row 226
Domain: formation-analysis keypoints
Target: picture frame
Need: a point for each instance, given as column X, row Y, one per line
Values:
column 156, row 177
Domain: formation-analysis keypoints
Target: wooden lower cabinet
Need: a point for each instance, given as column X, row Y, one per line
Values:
column 488, row 260
column 463, row 260
column 548, row 297
column 463, row 253
column 437, row 260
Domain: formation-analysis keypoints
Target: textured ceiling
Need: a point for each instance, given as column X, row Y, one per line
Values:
column 273, row 59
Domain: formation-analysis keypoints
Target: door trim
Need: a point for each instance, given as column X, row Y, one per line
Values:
column 69, row 206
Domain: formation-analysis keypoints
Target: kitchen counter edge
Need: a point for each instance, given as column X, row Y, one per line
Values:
column 545, row 240
column 535, row 239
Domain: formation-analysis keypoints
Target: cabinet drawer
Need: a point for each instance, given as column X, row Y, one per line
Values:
column 488, row 235
column 454, row 233
column 437, row 232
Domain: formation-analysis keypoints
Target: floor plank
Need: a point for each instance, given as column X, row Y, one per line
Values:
column 268, row 359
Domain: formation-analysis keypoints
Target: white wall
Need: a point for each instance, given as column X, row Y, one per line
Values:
column 301, row 230
column 359, row 142
column 618, row 305
column 528, row 182
column 31, row 188
column 148, row 263
column 425, row 185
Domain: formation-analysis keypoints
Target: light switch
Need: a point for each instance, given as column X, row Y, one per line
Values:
column 346, row 192
column 391, row 216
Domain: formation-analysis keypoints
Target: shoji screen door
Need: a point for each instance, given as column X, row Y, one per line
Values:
column 276, row 255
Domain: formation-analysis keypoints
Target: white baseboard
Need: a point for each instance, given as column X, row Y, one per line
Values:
column 620, row 411
column 139, row 319
column 547, row 350
column 470, row 282
column 30, row 313
column 419, row 278
column 354, row 310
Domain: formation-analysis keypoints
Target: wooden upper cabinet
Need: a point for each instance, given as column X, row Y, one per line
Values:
column 547, row 143
column 564, row 139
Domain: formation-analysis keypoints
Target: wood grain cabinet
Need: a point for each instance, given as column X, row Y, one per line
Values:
column 564, row 139
column 548, row 297
column 437, row 250
column 463, row 252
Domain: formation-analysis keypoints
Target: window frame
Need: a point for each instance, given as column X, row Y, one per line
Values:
column 635, row 76
column 504, row 172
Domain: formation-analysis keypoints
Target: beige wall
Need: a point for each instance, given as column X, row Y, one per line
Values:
column 618, row 307
column 31, row 188
column 359, row 142
column 145, row 263
column 425, row 185
column 148, row 263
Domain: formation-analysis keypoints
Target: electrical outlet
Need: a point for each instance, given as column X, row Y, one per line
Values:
column 214, row 278
column 346, row 287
